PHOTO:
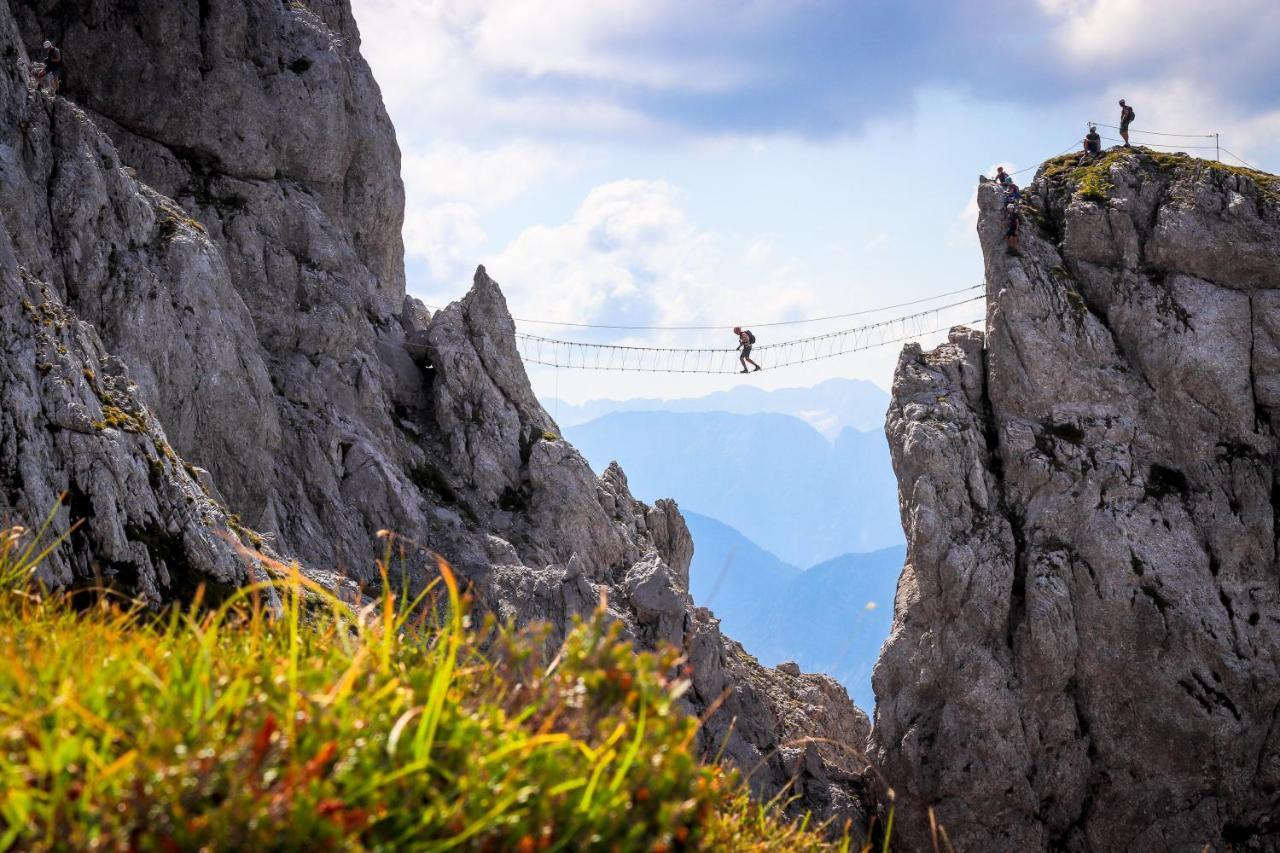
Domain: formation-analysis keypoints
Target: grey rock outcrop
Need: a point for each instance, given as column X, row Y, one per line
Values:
column 1086, row 644
column 204, row 312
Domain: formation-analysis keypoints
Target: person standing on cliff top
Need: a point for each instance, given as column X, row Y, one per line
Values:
column 746, row 340
column 1002, row 177
column 1126, row 115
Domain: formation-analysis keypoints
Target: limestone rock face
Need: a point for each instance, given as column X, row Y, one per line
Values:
column 204, row 313
column 1086, row 643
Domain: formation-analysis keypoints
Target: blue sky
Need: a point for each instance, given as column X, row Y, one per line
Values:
column 658, row 162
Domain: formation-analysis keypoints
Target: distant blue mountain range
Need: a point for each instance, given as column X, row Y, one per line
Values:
column 769, row 482
column 830, row 618
column 774, row 477
column 828, row 407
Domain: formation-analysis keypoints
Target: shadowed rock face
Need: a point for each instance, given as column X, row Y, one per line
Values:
column 1087, row 631
column 200, row 265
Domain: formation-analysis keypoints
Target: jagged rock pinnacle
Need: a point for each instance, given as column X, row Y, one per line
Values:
column 1084, row 651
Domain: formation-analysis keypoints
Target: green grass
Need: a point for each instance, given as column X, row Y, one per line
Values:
column 1093, row 186
column 392, row 725
column 1091, row 180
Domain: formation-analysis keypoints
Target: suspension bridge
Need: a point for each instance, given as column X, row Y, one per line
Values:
column 584, row 355
column 962, row 308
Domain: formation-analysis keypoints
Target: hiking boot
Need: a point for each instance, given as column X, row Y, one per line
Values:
column 757, row 370
column 743, row 370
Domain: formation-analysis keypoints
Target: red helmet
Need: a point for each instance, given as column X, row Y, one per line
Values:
column 737, row 330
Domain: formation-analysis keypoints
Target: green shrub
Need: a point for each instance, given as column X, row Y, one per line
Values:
column 1093, row 186
column 335, row 726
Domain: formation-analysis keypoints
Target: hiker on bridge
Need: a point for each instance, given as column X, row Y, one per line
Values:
column 1126, row 115
column 746, row 340
column 1092, row 142
column 52, row 70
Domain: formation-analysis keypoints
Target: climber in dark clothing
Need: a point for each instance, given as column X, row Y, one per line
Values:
column 1092, row 141
column 746, row 340
column 1126, row 115
column 52, row 67
column 1011, row 229
column 1002, row 177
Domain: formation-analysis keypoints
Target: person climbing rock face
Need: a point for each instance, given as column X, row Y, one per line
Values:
column 1011, row 229
column 52, row 67
column 1012, row 195
column 1126, row 115
column 746, row 340
column 1002, row 177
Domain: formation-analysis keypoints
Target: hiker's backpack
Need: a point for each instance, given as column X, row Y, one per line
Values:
column 751, row 336
column 1132, row 113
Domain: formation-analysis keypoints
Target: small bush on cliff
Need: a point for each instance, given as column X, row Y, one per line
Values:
column 1093, row 186
column 332, row 726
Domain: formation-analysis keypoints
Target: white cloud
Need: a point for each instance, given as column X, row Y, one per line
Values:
column 450, row 64
column 445, row 236
column 631, row 255
column 760, row 252
column 453, row 172
column 1108, row 33
column 589, row 38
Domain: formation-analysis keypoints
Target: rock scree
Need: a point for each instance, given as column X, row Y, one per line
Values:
column 207, row 339
column 1085, row 652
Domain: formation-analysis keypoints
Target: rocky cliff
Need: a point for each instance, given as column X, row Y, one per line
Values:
column 1086, row 645
column 207, row 338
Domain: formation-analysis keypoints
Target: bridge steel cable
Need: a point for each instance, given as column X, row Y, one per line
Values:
column 763, row 325
column 581, row 355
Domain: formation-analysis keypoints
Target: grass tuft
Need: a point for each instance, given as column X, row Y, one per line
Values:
column 389, row 725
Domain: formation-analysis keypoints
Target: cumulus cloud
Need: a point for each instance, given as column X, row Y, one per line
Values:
column 806, row 67
column 445, row 171
column 630, row 255
column 444, row 236
column 1199, row 67
column 601, row 40
column 816, row 67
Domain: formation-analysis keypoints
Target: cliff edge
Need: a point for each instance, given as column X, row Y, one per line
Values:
column 1086, row 645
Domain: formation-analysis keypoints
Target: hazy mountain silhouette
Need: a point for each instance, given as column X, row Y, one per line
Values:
column 828, row 407
column 830, row 618
column 774, row 477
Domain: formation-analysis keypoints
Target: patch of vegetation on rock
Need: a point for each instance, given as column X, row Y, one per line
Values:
column 396, row 725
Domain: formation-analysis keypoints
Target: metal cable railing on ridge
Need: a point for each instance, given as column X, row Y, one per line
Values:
column 1216, row 147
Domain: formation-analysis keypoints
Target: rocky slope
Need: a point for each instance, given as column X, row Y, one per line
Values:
column 1086, row 647
column 203, row 312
